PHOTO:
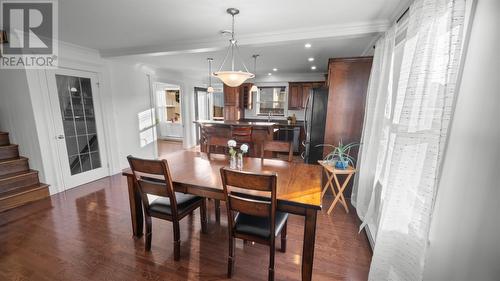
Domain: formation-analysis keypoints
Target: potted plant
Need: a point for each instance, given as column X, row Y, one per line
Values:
column 339, row 156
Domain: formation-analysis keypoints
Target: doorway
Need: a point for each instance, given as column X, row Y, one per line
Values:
column 78, row 123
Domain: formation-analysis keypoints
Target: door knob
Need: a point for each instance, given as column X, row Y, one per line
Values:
column 61, row 137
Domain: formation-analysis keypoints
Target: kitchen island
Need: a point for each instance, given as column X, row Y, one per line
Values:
column 261, row 131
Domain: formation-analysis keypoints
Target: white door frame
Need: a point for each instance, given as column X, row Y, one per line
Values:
column 68, row 180
column 154, row 104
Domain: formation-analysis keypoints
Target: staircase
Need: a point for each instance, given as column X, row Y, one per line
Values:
column 19, row 184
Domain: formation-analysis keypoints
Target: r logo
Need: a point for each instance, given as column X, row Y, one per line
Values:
column 29, row 26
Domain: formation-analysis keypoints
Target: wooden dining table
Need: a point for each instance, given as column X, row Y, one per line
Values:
column 298, row 190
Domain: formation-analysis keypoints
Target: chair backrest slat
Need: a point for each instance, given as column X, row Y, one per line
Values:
column 246, row 180
column 250, row 206
column 153, row 187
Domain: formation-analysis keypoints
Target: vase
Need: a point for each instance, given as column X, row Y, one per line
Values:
column 239, row 163
column 232, row 162
column 341, row 165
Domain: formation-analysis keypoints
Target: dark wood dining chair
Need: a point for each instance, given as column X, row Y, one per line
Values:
column 153, row 177
column 277, row 146
column 214, row 142
column 242, row 134
column 250, row 217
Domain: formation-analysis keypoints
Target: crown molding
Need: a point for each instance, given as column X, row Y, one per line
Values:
column 266, row 38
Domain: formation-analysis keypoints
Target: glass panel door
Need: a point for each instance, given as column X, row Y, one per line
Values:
column 78, row 117
column 78, row 125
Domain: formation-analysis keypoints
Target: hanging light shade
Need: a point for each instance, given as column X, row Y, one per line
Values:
column 210, row 89
column 231, row 77
column 254, row 87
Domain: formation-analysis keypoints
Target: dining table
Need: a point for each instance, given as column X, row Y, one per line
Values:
column 192, row 172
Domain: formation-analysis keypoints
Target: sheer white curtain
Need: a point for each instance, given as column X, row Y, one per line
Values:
column 379, row 90
column 405, row 131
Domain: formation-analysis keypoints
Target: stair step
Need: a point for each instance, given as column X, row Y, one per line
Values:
column 9, row 151
column 4, row 138
column 14, row 165
column 18, row 179
column 23, row 195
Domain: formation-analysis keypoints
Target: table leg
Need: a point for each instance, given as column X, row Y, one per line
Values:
column 308, row 247
column 135, row 208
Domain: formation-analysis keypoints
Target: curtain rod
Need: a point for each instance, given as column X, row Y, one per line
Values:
column 403, row 14
column 400, row 17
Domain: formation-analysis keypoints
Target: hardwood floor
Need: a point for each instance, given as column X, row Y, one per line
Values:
column 85, row 234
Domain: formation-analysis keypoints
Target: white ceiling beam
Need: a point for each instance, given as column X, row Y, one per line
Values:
column 267, row 38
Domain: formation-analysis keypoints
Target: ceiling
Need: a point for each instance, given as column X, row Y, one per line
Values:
column 180, row 35
column 288, row 58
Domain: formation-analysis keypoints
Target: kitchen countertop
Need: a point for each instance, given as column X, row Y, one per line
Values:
column 254, row 123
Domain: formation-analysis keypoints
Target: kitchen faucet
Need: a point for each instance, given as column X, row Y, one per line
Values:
column 269, row 116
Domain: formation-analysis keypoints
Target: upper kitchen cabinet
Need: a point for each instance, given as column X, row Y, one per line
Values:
column 298, row 93
column 247, row 98
column 295, row 96
column 231, row 95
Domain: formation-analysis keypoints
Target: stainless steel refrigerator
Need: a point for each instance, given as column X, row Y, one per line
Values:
column 314, row 125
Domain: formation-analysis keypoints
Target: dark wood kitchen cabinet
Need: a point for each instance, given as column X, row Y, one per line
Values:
column 236, row 100
column 295, row 96
column 347, row 86
column 298, row 93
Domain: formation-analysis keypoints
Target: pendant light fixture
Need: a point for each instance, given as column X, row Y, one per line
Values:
column 210, row 89
column 231, row 77
column 254, row 88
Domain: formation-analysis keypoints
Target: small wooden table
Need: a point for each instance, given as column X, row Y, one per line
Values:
column 331, row 173
column 298, row 190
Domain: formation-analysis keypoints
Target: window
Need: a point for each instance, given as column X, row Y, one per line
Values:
column 271, row 100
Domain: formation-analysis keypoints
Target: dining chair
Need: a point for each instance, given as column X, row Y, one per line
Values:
column 242, row 134
column 214, row 142
column 152, row 177
column 250, row 217
column 277, row 146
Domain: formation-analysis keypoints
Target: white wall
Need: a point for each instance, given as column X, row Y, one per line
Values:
column 465, row 232
column 131, row 95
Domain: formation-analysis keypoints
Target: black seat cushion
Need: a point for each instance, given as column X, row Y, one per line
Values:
column 258, row 226
column 184, row 201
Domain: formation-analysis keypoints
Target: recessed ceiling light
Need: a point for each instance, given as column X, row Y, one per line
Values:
column 310, row 59
column 307, row 45
column 313, row 67
column 275, row 69
column 269, row 73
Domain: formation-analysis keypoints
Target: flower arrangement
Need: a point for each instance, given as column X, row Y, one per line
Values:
column 232, row 145
column 233, row 151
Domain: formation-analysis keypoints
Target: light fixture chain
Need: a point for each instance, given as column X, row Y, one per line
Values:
column 238, row 54
column 225, row 57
